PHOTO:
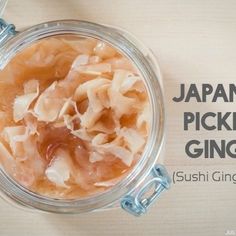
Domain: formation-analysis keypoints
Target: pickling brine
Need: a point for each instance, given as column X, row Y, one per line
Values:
column 74, row 117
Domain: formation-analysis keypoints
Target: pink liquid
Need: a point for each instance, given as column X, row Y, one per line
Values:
column 78, row 138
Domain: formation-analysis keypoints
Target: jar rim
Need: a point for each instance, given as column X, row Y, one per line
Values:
column 144, row 61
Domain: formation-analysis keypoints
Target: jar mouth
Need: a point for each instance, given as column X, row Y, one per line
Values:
column 148, row 69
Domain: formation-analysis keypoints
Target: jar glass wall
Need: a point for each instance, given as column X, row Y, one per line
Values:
column 146, row 64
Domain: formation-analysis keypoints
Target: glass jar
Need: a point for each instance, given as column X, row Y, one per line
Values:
column 137, row 191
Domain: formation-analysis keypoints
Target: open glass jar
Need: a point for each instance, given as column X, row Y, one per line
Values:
column 137, row 191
